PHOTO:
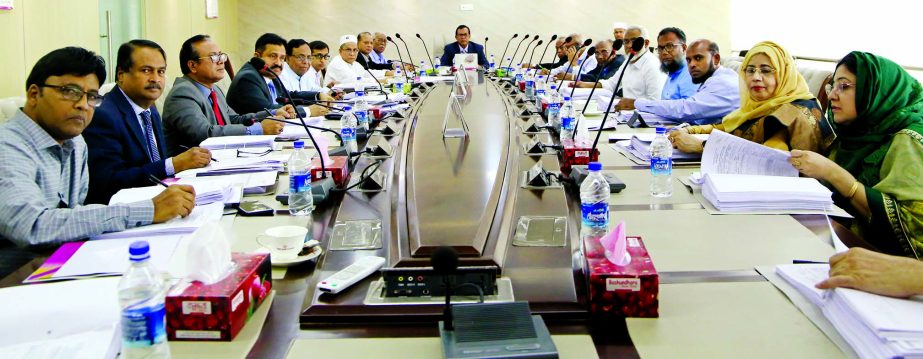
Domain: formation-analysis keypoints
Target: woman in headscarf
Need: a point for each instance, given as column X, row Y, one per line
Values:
column 776, row 107
column 876, row 162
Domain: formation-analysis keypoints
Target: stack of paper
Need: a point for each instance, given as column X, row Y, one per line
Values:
column 237, row 161
column 101, row 258
column 200, row 215
column 232, row 142
column 638, row 145
column 874, row 326
column 252, row 183
column 208, row 191
column 746, row 193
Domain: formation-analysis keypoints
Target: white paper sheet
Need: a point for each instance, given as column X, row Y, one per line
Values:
column 110, row 256
column 199, row 216
column 729, row 154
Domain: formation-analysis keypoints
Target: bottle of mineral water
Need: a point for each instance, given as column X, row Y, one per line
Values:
column 348, row 130
column 539, row 85
column 568, row 115
column 422, row 67
column 398, row 81
column 530, row 86
column 594, row 198
column 661, row 165
column 493, row 65
column 141, row 298
column 300, row 198
column 554, row 107
column 361, row 109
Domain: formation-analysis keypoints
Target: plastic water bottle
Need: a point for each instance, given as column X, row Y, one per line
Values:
column 568, row 115
column 300, row 199
column 398, row 81
column 661, row 165
column 509, row 70
column 436, row 63
column 493, row 65
column 553, row 113
column 141, row 298
column 530, row 86
column 539, row 85
column 348, row 129
column 422, row 67
column 594, row 198
column 361, row 110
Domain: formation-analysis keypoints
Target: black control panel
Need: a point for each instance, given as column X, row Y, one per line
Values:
column 423, row 281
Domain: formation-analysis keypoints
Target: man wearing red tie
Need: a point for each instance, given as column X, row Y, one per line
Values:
column 196, row 109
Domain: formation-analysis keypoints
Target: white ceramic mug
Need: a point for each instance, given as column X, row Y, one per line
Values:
column 283, row 242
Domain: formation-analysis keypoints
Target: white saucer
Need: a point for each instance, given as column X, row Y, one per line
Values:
column 293, row 261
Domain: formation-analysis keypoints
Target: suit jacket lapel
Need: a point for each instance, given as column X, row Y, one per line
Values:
column 130, row 119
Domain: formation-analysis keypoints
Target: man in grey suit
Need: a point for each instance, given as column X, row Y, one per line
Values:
column 196, row 109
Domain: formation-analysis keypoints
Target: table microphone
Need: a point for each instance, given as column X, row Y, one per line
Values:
column 485, row 45
column 540, row 58
column 428, row 55
column 540, row 42
column 445, row 263
column 589, row 52
column 401, row 59
column 526, row 50
column 571, row 63
column 636, row 45
column 507, row 48
column 380, row 87
column 510, row 65
column 409, row 56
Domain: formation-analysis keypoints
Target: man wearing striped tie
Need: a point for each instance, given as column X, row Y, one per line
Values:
column 125, row 139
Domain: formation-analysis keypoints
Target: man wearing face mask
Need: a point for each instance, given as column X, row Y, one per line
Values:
column 718, row 89
column 125, row 139
column 254, row 90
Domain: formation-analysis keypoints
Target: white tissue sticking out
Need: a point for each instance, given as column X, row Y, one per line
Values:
column 208, row 259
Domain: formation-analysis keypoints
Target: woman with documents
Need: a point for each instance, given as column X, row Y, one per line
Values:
column 776, row 107
column 877, row 159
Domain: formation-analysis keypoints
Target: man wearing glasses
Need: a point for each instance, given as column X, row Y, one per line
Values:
column 344, row 69
column 607, row 62
column 642, row 79
column 196, row 109
column 671, row 47
column 256, row 89
column 43, row 163
column 298, row 73
column 366, row 48
column 125, row 139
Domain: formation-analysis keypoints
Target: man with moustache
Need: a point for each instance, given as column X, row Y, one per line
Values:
column 642, row 77
column 43, row 164
column 344, row 69
column 254, row 90
column 366, row 48
column 717, row 94
column 559, row 52
column 125, row 139
column 296, row 76
column 607, row 62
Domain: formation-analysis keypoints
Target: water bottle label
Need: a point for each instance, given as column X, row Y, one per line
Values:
column 595, row 214
column 348, row 133
column 362, row 117
column 661, row 166
column 399, row 87
column 299, row 183
column 143, row 327
column 567, row 122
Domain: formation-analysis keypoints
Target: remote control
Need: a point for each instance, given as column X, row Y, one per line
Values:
column 348, row 276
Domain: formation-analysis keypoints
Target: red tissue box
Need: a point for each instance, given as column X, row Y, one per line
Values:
column 218, row 311
column 576, row 156
column 338, row 169
column 622, row 291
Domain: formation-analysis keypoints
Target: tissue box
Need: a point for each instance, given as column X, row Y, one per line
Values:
column 217, row 312
column 339, row 169
column 574, row 155
column 622, row 291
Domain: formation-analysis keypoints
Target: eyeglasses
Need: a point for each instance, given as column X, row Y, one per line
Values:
column 258, row 152
column 350, row 50
column 763, row 70
column 74, row 93
column 668, row 48
column 216, row 58
column 840, row 87
column 300, row 58
column 321, row 56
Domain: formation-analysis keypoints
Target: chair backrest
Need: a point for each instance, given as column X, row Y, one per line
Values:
column 106, row 87
column 9, row 106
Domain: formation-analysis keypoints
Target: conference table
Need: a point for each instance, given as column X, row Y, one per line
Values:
column 470, row 192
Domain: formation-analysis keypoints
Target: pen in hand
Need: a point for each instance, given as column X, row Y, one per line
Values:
column 188, row 148
column 155, row 180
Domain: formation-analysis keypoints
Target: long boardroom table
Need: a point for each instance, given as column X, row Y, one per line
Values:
column 468, row 193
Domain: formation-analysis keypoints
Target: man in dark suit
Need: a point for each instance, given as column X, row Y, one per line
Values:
column 255, row 90
column 604, row 55
column 196, row 109
column 125, row 139
column 366, row 45
column 462, row 45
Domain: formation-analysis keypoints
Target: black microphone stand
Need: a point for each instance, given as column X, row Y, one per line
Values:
column 526, row 50
column 553, row 38
column 507, row 48
column 636, row 46
column 428, row 55
column 510, row 65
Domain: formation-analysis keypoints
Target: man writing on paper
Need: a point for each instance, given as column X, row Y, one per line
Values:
column 717, row 93
column 43, row 161
column 196, row 108
column 125, row 138
column 463, row 45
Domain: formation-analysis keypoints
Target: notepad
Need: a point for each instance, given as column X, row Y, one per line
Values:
column 875, row 326
column 207, row 191
column 199, row 216
column 226, row 142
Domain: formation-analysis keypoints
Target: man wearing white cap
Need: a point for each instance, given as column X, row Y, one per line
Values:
column 618, row 31
column 344, row 68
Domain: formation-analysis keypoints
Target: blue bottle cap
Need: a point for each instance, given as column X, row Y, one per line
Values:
column 299, row 144
column 360, row 93
column 347, row 108
column 661, row 130
column 139, row 251
column 566, row 98
column 596, row 166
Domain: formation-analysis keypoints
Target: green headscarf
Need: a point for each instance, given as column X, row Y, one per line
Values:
column 888, row 100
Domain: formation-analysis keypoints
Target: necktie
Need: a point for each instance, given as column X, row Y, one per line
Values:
column 272, row 90
column 464, row 51
column 218, row 117
column 149, row 131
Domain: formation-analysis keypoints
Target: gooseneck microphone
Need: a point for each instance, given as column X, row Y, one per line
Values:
column 541, row 57
column 526, row 50
column 428, row 55
column 571, row 63
column 409, row 56
column 517, row 50
column 507, row 48
column 398, row 49
column 533, row 51
column 445, row 263
column 589, row 52
column 258, row 63
column 485, row 45
column 380, row 87
column 636, row 45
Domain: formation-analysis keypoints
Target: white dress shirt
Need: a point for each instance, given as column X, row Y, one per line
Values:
column 590, row 65
column 643, row 78
column 310, row 81
column 344, row 73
